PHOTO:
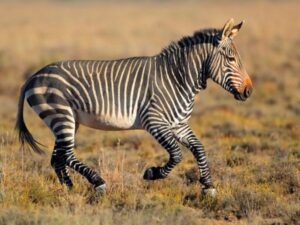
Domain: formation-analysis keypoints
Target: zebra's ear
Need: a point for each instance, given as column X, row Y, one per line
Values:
column 235, row 29
column 227, row 29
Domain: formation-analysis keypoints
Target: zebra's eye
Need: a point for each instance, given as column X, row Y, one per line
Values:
column 231, row 58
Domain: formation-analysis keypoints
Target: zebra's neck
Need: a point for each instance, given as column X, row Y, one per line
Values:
column 186, row 67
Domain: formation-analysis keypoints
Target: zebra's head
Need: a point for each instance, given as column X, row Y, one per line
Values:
column 225, row 67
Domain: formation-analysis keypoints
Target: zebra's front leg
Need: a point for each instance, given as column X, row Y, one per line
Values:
column 167, row 140
column 186, row 136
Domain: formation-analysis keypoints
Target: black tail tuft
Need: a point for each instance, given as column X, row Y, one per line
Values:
column 24, row 134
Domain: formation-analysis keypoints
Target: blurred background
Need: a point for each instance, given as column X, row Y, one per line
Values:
column 253, row 147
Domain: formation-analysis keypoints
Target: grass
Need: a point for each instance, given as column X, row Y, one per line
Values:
column 253, row 148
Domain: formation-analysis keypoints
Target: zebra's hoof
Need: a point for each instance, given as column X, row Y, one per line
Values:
column 211, row 192
column 153, row 173
column 100, row 189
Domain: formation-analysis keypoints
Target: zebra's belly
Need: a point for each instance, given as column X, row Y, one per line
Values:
column 106, row 122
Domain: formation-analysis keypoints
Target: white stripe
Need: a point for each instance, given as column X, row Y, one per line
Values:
column 45, row 106
column 133, row 88
column 119, row 88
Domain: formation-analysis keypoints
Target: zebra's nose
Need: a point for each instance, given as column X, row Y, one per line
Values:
column 248, row 91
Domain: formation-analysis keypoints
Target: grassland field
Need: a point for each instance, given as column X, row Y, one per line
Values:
column 253, row 147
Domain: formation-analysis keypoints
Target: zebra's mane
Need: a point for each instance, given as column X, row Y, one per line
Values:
column 201, row 36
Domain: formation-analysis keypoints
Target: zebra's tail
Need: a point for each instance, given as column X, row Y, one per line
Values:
column 24, row 134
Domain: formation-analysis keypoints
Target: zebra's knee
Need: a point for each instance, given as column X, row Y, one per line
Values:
column 177, row 158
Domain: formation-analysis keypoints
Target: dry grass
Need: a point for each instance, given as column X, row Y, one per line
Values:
column 253, row 147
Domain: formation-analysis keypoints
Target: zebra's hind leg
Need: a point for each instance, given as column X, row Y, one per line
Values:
column 52, row 107
column 65, row 145
column 58, row 162
column 91, row 175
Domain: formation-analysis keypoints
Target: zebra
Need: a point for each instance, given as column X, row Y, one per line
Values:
column 154, row 93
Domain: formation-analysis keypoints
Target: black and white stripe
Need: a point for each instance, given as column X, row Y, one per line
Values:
column 152, row 93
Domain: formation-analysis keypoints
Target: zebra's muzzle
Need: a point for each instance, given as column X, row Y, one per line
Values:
column 243, row 95
column 240, row 97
